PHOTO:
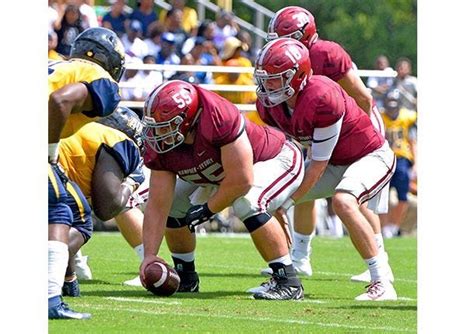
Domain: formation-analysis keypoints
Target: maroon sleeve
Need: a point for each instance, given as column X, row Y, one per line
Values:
column 329, row 107
column 223, row 121
column 338, row 61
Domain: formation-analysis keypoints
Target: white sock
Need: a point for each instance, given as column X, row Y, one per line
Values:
column 186, row 257
column 379, row 242
column 302, row 242
column 286, row 260
column 58, row 256
column 378, row 267
column 140, row 251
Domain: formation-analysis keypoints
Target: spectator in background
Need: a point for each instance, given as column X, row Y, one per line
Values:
column 52, row 43
column 54, row 15
column 153, row 41
column 233, row 49
column 189, row 76
column 151, row 78
column 132, row 41
column 205, row 30
column 236, row 79
column 205, row 54
column 116, row 17
column 132, row 80
column 167, row 54
column 399, row 122
column 173, row 24
column 225, row 28
column 190, row 18
column 69, row 28
column 89, row 17
column 145, row 13
column 406, row 84
column 380, row 85
column 245, row 37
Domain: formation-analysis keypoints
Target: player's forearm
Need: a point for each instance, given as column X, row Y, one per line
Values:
column 227, row 193
column 154, row 223
column 312, row 175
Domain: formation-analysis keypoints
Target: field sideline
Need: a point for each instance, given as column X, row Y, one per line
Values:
column 227, row 267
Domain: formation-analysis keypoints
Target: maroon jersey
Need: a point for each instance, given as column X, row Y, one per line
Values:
column 220, row 123
column 329, row 59
column 322, row 103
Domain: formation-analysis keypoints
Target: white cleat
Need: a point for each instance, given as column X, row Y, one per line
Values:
column 302, row 263
column 378, row 291
column 83, row 271
column 264, row 287
column 133, row 282
column 266, row 272
column 365, row 277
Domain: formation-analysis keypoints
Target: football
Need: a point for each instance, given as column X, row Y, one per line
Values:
column 161, row 279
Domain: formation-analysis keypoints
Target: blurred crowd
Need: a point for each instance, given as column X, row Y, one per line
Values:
column 152, row 35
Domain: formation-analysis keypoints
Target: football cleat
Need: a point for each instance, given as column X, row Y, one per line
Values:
column 302, row 263
column 281, row 292
column 189, row 281
column 378, row 291
column 265, row 286
column 133, row 282
column 83, row 271
column 365, row 277
column 57, row 309
column 266, row 272
column 71, row 289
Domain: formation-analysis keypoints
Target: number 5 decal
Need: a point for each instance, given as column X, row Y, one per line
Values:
column 182, row 98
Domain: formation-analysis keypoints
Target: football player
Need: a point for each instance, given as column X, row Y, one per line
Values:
column 81, row 89
column 328, row 58
column 220, row 161
column 349, row 160
column 103, row 159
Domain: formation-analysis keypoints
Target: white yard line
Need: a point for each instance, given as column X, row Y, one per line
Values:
column 265, row 319
column 136, row 300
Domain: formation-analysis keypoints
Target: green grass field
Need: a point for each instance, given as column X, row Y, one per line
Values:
column 227, row 267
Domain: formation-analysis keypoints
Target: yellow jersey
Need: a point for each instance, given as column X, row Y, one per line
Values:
column 77, row 153
column 102, row 88
column 397, row 132
column 190, row 19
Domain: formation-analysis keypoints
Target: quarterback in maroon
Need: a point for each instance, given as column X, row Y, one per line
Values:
column 199, row 148
column 348, row 159
column 328, row 58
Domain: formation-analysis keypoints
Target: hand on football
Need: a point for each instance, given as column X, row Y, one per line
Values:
column 146, row 261
column 198, row 214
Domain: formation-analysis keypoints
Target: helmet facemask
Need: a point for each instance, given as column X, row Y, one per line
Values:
column 271, row 97
column 164, row 136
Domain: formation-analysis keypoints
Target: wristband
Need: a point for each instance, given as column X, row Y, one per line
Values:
column 288, row 204
column 53, row 152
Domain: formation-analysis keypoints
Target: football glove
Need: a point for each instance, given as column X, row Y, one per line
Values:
column 197, row 215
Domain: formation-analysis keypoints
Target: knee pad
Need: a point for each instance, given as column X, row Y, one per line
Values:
column 257, row 221
column 175, row 222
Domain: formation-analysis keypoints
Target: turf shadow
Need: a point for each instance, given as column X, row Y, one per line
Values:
column 94, row 281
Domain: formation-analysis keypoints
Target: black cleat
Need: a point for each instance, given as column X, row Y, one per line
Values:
column 281, row 292
column 57, row 309
column 71, row 289
column 189, row 281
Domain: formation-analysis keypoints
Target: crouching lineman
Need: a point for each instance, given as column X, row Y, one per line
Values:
column 80, row 89
column 103, row 159
column 350, row 160
column 204, row 140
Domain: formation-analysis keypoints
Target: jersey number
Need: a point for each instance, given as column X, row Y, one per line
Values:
column 182, row 98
